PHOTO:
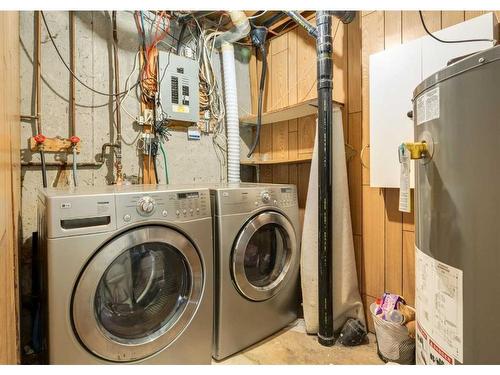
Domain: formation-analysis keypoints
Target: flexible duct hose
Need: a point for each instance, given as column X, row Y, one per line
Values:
column 232, row 120
column 240, row 30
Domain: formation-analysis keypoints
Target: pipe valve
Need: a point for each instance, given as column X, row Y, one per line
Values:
column 418, row 150
column 74, row 140
column 39, row 139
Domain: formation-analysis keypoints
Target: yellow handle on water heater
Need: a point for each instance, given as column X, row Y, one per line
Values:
column 418, row 150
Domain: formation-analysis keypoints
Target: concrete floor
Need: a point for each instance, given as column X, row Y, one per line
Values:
column 292, row 346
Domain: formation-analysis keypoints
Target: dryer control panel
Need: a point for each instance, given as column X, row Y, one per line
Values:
column 232, row 201
column 173, row 206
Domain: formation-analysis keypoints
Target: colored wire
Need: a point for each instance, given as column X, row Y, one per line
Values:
column 164, row 162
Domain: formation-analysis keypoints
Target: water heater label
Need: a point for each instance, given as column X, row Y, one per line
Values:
column 439, row 305
column 428, row 106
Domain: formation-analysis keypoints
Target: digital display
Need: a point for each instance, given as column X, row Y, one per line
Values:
column 286, row 190
column 188, row 195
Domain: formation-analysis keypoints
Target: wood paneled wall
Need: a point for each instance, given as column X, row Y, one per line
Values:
column 9, row 186
column 291, row 74
column 383, row 236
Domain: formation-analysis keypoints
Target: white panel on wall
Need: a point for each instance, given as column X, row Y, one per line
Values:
column 435, row 55
column 395, row 73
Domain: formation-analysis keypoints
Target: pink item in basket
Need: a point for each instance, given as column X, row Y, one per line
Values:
column 390, row 302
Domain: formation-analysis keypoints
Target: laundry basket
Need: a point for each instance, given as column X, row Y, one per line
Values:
column 393, row 342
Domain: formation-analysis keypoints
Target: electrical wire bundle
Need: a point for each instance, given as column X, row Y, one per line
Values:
column 210, row 94
column 211, row 97
column 159, row 28
column 149, row 79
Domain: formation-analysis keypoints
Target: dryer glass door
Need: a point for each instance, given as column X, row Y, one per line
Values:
column 137, row 294
column 264, row 253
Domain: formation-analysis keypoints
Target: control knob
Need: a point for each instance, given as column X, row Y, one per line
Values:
column 265, row 196
column 146, row 205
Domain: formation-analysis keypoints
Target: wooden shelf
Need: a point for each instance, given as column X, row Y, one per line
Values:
column 268, row 162
column 350, row 152
column 309, row 107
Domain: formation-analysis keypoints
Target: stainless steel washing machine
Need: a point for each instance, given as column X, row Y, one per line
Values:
column 257, row 255
column 128, row 274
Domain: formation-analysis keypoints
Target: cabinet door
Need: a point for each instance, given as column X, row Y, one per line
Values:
column 394, row 74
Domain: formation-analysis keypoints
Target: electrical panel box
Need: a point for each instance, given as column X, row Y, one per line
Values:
column 179, row 87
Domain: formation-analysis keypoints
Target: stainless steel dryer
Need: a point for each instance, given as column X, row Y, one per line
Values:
column 128, row 274
column 257, row 255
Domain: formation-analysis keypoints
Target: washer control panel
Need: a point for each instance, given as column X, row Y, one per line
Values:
column 170, row 205
column 233, row 201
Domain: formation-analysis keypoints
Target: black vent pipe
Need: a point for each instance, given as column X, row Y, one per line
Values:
column 324, row 50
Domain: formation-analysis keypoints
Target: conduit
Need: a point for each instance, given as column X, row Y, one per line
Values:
column 240, row 30
column 38, row 90
column 258, row 35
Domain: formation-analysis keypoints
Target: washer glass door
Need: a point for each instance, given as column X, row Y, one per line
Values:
column 264, row 254
column 137, row 294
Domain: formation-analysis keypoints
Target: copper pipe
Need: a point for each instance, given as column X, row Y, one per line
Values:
column 28, row 117
column 38, row 72
column 119, row 173
column 72, row 101
column 61, row 164
column 72, row 63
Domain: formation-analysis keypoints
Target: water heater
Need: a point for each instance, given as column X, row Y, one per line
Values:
column 457, row 115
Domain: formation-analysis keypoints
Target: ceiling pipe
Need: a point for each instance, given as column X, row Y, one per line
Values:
column 275, row 18
column 345, row 16
column 301, row 21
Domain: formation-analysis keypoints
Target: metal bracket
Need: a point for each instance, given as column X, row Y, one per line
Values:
column 57, row 144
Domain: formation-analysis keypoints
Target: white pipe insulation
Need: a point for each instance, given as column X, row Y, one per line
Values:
column 240, row 30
